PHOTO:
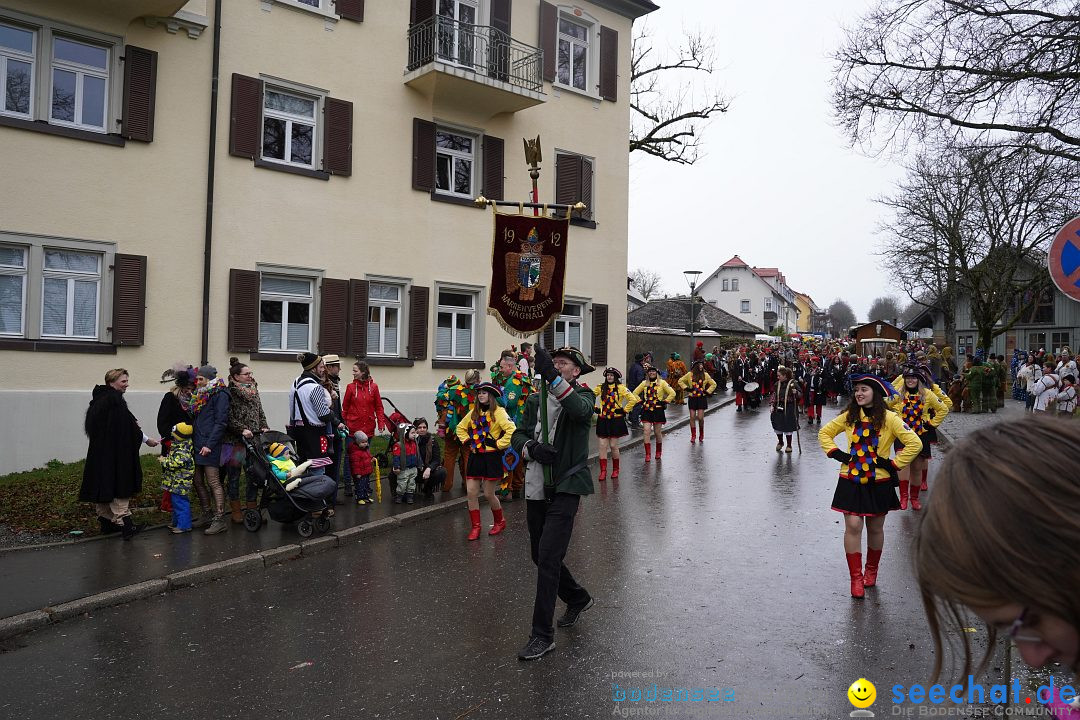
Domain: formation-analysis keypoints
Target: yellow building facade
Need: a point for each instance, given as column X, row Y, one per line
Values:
column 318, row 199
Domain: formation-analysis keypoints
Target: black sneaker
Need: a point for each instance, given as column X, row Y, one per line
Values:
column 571, row 615
column 535, row 648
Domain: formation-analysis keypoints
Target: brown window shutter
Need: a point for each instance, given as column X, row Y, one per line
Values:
column 129, row 299
column 419, row 298
column 421, row 10
column 587, row 187
column 549, row 28
column 609, row 64
column 599, row 334
column 333, row 316
column 567, row 178
column 245, row 116
column 358, row 318
column 547, row 340
column 337, row 149
column 423, row 167
column 493, row 167
column 140, row 90
column 351, row 10
column 244, row 286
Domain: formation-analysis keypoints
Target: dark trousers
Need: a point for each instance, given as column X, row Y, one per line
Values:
column 550, row 527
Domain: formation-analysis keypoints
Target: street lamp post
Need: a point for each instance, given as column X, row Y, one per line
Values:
column 692, row 278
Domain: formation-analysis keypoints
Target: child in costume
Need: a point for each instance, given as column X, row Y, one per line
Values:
column 698, row 385
column 361, row 466
column 654, row 395
column 485, row 431
column 406, row 460
column 178, row 473
column 865, row 489
column 615, row 403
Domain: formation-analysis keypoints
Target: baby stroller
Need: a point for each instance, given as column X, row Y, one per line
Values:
column 297, row 506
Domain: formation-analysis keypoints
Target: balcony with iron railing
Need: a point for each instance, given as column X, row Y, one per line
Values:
column 473, row 67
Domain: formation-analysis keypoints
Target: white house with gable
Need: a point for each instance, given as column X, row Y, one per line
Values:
column 760, row 296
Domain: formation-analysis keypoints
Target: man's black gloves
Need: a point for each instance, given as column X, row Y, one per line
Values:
column 543, row 453
column 545, row 367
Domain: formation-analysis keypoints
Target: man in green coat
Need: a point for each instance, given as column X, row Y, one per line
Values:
column 552, row 501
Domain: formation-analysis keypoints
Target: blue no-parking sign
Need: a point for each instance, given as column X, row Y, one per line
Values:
column 1063, row 260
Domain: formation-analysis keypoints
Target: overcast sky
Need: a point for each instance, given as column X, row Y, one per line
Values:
column 779, row 184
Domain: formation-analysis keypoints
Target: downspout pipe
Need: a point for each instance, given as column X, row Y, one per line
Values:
column 208, row 238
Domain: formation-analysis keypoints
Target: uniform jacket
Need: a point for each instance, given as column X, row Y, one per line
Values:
column 624, row 400
column 500, row 429
column 664, row 393
column 892, row 429
column 571, row 438
column 706, row 387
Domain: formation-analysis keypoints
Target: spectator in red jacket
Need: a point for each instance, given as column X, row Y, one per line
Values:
column 361, row 404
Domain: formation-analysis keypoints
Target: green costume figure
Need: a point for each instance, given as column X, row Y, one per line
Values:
column 974, row 379
column 516, row 389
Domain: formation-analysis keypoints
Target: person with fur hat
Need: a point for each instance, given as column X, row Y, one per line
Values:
column 556, row 478
column 177, row 476
column 654, row 394
column 615, row 402
column 210, row 408
column 921, row 409
column 864, row 491
column 698, row 385
column 485, row 430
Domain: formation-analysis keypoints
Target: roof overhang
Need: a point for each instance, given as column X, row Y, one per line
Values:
column 632, row 9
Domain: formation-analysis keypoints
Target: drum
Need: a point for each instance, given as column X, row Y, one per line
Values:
column 751, row 387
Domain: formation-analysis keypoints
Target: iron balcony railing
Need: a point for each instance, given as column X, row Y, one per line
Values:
column 480, row 48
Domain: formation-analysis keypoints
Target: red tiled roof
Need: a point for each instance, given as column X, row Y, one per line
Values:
column 735, row 262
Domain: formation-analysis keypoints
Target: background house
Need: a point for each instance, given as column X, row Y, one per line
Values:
column 662, row 327
column 759, row 296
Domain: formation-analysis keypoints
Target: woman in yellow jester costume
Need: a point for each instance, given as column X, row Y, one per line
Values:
column 698, row 386
column 615, row 404
column 865, row 489
column 654, row 394
column 485, row 431
column 921, row 409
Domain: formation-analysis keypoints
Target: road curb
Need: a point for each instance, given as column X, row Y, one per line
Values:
column 29, row 621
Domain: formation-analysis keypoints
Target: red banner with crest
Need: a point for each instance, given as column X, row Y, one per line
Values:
column 528, row 269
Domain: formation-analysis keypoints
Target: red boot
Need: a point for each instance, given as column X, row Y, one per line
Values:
column 701, row 434
column 854, row 563
column 474, row 515
column 648, row 452
column 614, row 468
column 923, row 486
column 500, row 522
column 873, row 557
column 603, row 470
column 903, row 494
column 693, row 434
column 915, row 504
column 659, row 449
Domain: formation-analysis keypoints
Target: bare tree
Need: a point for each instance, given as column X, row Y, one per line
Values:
column 996, row 71
column 884, row 308
column 974, row 224
column 671, row 98
column 646, row 282
column 841, row 316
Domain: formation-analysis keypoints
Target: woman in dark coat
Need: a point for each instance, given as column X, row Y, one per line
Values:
column 113, row 475
column 785, row 408
column 210, row 408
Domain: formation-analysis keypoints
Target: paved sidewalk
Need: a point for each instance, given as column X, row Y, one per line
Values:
column 959, row 425
column 43, row 577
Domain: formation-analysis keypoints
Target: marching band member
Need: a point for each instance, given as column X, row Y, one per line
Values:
column 785, row 407
column 921, row 409
column 698, row 386
column 814, row 392
column 864, row 491
column 616, row 401
column 654, row 395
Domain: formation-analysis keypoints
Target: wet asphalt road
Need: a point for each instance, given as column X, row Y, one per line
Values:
column 720, row 567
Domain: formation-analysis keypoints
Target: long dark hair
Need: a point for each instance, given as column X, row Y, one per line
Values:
column 876, row 412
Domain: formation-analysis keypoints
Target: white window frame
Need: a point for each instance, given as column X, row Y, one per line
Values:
column 71, row 277
column 34, row 285
column 592, row 51
column 41, row 72
column 81, row 72
column 479, row 19
column 325, row 7
column 315, row 95
column 563, row 322
column 21, row 272
column 768, row 305
column 7, row 54
column 314, row 277
column 744, row 306
column 400, row 305
column 477, row 337
column 454, row 155
column 725, row 285
column 734, row 284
